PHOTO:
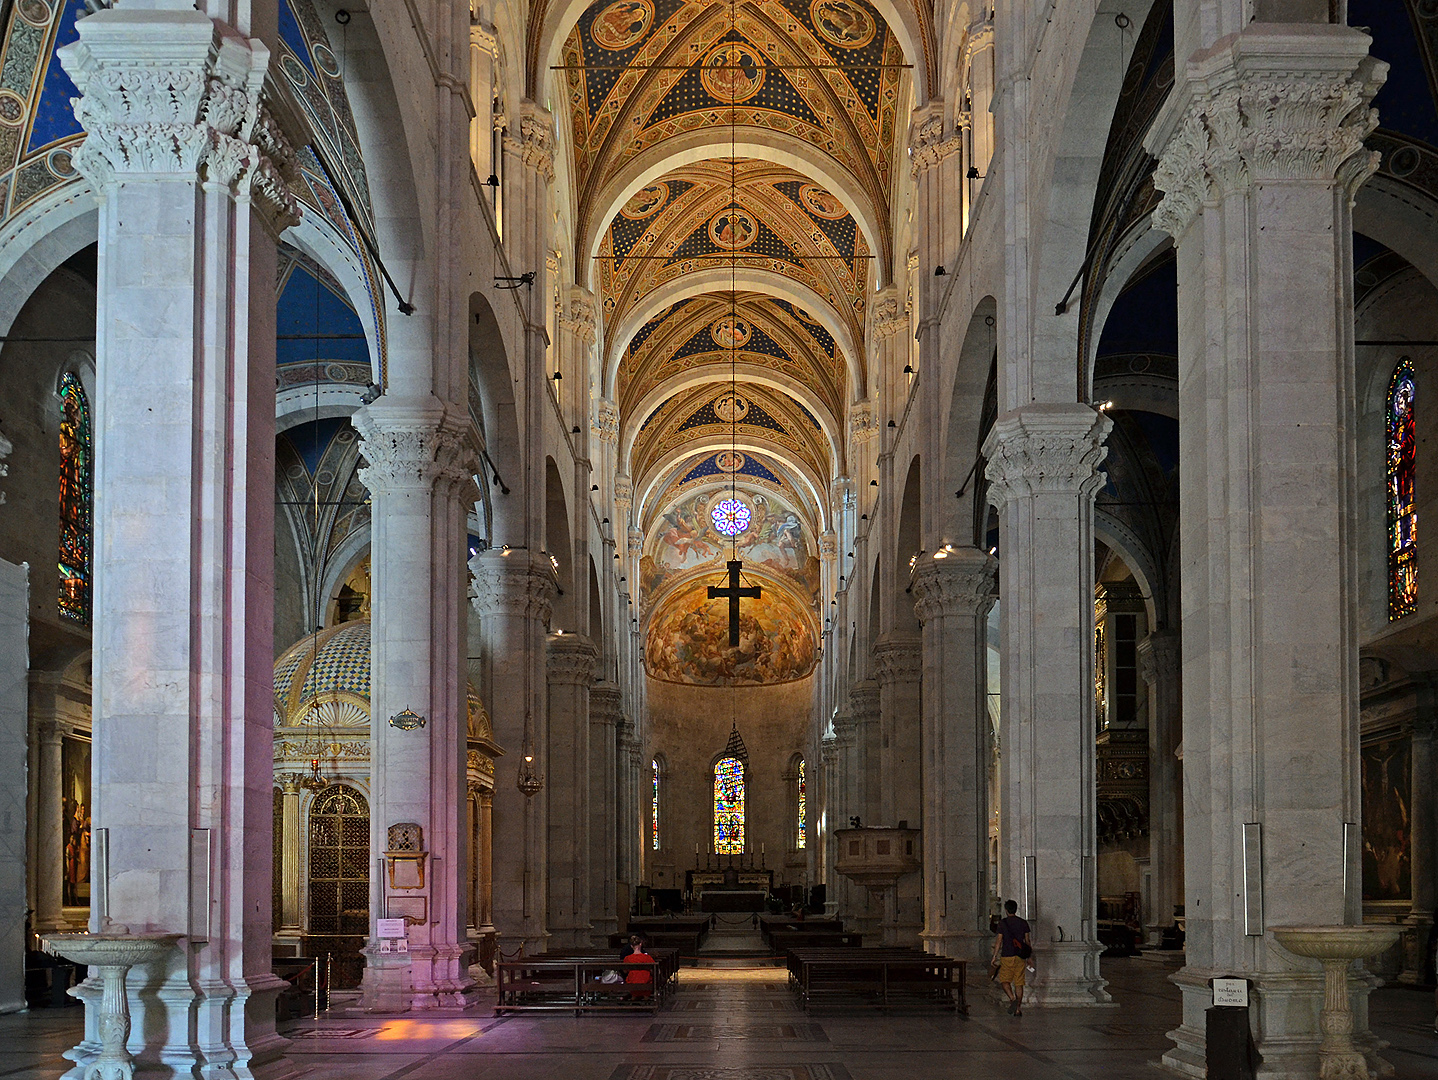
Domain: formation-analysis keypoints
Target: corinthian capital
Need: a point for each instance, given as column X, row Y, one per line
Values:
column 408, row 449
column 1046, row 449
column 1266, row 105
column 177, row 94
column 964, row 582
column 930, row 142
column 536, row 140
column 1158, row 656
column 605, row 425
column 889, row 317
column 898, row 658
column 580, row 319
column 570, row 660
column 512, row 583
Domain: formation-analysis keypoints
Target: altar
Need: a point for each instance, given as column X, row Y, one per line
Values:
column 730, row 889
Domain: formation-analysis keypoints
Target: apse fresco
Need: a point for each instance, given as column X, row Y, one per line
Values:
column 689, row 638
column 1387, row 820
column 688, row 536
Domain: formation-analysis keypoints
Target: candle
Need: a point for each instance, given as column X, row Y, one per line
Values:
column 696, row 847
column 761, row 849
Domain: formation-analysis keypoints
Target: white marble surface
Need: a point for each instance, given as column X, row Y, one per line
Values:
column 14, row 663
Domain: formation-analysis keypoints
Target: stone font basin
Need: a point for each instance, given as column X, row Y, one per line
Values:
column 110, row 949
column 1336, row 942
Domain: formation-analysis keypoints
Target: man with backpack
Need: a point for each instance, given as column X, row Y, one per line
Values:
column 1012, row 949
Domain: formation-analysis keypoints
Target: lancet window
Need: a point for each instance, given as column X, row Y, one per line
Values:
column 802, row 816
column 654, row 810
column 1402, row 507
column 729, row 807
column 76, row 500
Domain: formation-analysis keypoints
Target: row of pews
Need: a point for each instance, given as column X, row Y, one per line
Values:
column 877, row 978
column 574, row 982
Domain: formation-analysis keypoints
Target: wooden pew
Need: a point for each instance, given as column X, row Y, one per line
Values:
column 781, row 941
column 555, row 983
column 685, row 942
column 877, row 978
column 769, row 923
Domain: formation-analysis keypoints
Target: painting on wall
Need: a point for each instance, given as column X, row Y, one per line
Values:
column 769, row 534
column 75, row 805
column 689, row 638
column 1387, row 833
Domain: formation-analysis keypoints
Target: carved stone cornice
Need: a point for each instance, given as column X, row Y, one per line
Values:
column 570, row 660
column 514, row 584
column 930, row 141
column 1266, row 106
column 605, row 426
column 981, row 37
column 898, row 659
column 1159, row 656
column 1046, row 449
column 964, row 583
column 483, row 38
column 172, row 95
column 606, row 704
column 406, row 450
column 864, row 701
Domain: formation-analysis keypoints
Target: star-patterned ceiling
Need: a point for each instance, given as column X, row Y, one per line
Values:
column 759, row 331
column 825, row 71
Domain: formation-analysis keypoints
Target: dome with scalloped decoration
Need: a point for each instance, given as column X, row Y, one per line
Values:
column 323, row 679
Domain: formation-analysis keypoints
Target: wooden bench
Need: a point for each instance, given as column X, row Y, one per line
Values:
column 880, row 978
column 647, row 927
column 781, row 941
column 770, row 923
column 553, row 983
column 684, row 942
column 667, row 959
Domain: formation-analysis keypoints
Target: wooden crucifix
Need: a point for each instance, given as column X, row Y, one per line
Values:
column 734, row 592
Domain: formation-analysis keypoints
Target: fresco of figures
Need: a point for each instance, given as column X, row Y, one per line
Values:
column 689, row 638
column 684, row 539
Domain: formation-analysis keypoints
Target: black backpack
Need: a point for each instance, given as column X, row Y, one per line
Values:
column 1023, row 948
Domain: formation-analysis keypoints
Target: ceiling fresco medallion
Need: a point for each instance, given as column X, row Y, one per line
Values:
column 731, row 408
column 729, row 460
column 843, row 23
column 821, row 203
column 733, row 229
column 646, row 201
column 731, row 332
column 732, row 72
column 622, row 23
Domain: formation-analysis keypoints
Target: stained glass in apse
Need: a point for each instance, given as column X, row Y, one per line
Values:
column 803, row 808
column 1402, row 508
column 76, row 500
column 729, row 807
column 654, row 819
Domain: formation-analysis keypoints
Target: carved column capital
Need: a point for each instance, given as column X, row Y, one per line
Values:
column 863, row 424
column 864, row 701
column 888, row 317
column 1266, row 106
column 580, row 318
column 828, row 545
column 964, row 582
column 1159, row 656
column 514, row 584
column 1046, row 449
column 623, row 493
column 570, row 660
column 930, row 140
column 290, row 782
column 898, row 659
column 636, row 542
column 408, row 449
column 177, row 97
column 605, row 427
column 606, row 704
column 535, row 144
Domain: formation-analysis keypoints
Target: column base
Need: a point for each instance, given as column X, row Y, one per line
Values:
column 1286, row 1030
column 1067, row 973
column 958, row 944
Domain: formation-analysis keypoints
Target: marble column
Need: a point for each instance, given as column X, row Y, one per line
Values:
column 898, row 665
column 49, row 814
column 604, row 810
column 571, row 663
column 954, row 597
column 191, row 166
column 1421, row 843
column 420, row 471
column 1043, row 474
column 1158, row 661
column 484, row 902
column 856, row 905
column 513, row 593
column 1260, row 150
column 290, row 847
column 629, row 802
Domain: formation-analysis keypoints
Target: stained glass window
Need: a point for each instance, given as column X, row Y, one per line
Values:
column 803, row 808
column 1402, row 509
column 730, row 516
column 654, row 818
column 729, row 807
column 76, row 500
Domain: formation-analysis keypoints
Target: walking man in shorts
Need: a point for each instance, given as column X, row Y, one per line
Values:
column 1012, row 949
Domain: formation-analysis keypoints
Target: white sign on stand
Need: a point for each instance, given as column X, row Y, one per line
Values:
column 1231, row 992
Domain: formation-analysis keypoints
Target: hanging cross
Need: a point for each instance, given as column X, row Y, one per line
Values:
column 734, row 592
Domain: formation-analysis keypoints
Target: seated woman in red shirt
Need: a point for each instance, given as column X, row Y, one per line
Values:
column 640, row 980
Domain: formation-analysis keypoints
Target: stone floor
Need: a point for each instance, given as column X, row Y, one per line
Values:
column 728, row 1024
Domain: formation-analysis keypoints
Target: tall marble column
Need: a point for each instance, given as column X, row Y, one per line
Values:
column 190, row 166
column 1043, row 474
column 604, row 810
column 513, row 594
column 898, row 665
column 420, row 466
column 290, row 848
column 954, row 596
column 48, row 870
column 484, row 902
column 572, row 659
column 856, row 905
column 1158, row 661
column 1421, row 843
column 1260, row 149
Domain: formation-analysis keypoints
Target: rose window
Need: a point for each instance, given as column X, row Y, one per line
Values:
column 731, row 517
